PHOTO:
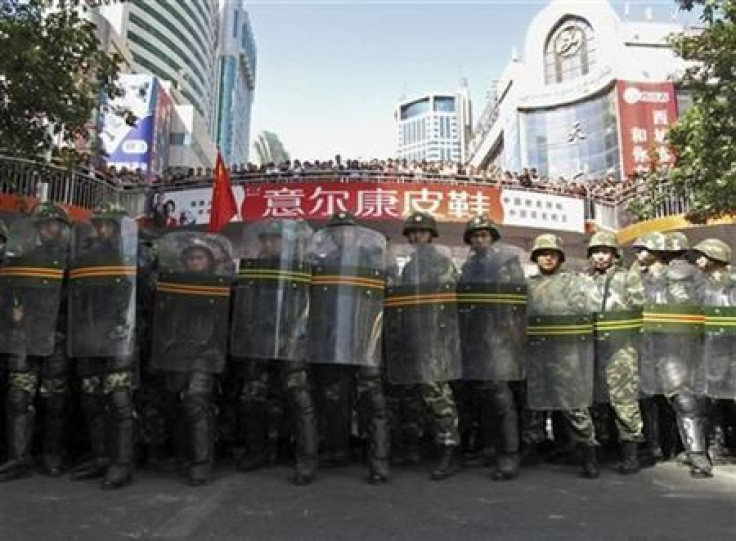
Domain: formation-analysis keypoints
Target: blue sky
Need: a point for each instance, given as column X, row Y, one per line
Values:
column 330, row 72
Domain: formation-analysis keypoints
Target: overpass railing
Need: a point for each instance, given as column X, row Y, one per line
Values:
column 88, row 189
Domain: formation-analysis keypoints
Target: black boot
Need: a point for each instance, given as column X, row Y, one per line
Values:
column 19, row 432
column 589, row 462
column 305, row 421
column 448, row 465
column 374, row 416
column 629, row 458
column 253, row 416
column 94, row 413
column 500, row 403
column 650, row 416
column 202, row 444
column 53, row 437
column 120, row 472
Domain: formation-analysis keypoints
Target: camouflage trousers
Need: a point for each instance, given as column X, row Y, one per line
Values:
column 104, row 375
column 47, row 376
column 258, row 379
column 622, row 380
column 439, row 401
column 578, row 423
column 406, row 412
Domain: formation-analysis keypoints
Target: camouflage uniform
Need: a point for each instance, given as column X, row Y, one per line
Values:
column 560, row 293
column 492, row 337
column 102, row 337
column 616, row 297
column 713, row 256
column 672, row 363
column 343, row 375
column 43, row 369
column 430, row 268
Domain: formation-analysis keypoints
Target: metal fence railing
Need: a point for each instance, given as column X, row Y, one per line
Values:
column 85, row 189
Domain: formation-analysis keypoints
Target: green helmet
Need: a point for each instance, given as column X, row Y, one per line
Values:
column 548, row 241
column 48, row 211
column 480, row 223
column 109, row 211
column 420, row 221
column 198, row 245
column 4, row 231
column 638, row 243
column 677, row 242
column 714, row 249
column 654, row 242
column 342, row 217
column 603, row 239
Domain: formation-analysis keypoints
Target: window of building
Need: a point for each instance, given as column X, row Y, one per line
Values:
column 569, row 52
column 444, row 104
column 235, row 24
column 415, row 109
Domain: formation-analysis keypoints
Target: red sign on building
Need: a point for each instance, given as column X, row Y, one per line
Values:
column 368, row 200
column 645, row 113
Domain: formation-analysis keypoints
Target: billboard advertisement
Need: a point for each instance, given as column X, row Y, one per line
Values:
column 394, row 201
column 645, row 113
column 144, row 145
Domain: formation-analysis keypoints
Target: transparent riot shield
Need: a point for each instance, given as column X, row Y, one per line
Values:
column 491, row 296
column 617, row 334
column 38, row 257
column 672, row 335
column 102, row 288
column 12, row 317
column 559, row 344
column 346, row 296
column 271, row 304
column 719, row 353
column 190, row 321
column 423, row 341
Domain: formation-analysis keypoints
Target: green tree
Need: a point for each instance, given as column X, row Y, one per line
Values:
column 53, row 76
column 704, row 139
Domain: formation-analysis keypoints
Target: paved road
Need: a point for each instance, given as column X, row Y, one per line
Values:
column 547, row 502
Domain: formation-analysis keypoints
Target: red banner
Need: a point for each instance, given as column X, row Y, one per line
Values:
column 645, row 113
column 368, row 200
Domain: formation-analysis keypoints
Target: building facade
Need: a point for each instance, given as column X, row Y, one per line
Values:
column 433, row 127
column 176, row 41
column 236, row 82
column 590, row 96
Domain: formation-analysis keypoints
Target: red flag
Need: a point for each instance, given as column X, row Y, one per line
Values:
column 223, row 206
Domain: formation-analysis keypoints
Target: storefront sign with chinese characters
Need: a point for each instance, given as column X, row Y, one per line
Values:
column 645, row 112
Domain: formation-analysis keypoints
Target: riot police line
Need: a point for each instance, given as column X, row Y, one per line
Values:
column 148, row 344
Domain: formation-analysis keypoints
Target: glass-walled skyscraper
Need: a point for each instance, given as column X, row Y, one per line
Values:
column 236, row 82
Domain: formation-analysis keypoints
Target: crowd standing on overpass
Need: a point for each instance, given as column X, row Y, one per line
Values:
column 119, row 352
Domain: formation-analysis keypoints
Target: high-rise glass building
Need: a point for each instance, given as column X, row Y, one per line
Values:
column 433, row 127
column 176, row 41
column 236, row 82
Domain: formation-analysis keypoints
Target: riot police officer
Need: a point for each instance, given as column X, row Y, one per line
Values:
column 38, row 269
column 344, row 343
column 713, row 257
column 491, row 305
column 672, row 343
column 559, row 348
column 101, row 336
column 190, row 328
column 268, row 338
column 617, row 296
column 423, row 343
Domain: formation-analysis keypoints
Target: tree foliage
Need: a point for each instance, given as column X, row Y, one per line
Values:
column 53, row 76
column 704, row 138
